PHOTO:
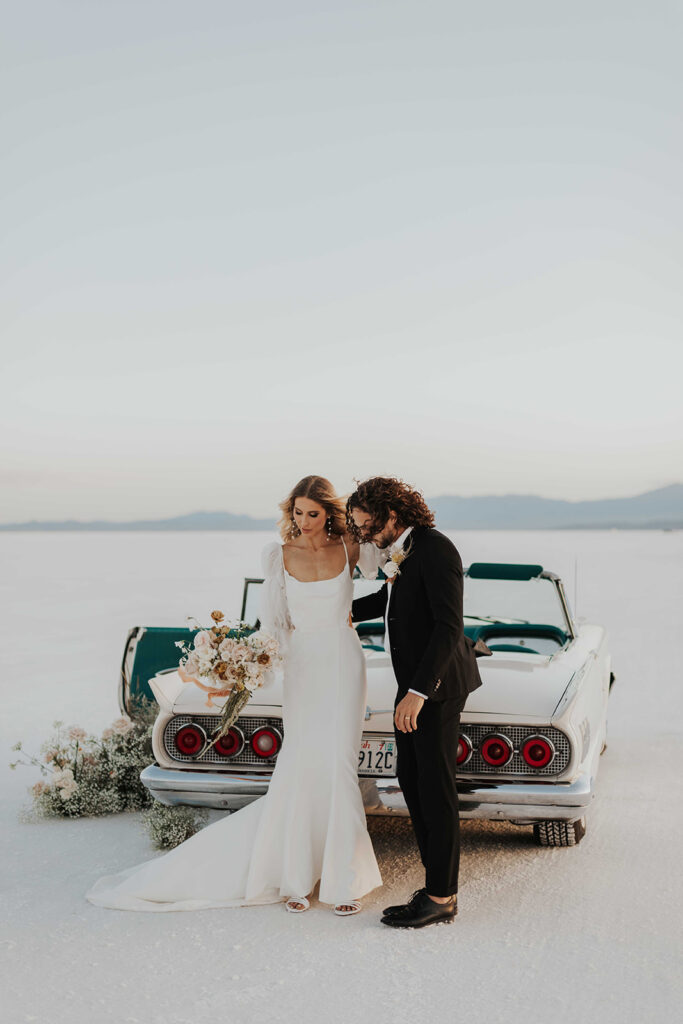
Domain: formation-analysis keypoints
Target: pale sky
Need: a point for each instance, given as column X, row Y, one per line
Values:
column 243, row 242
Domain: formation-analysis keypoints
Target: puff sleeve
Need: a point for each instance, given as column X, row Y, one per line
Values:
column 274, row 612
column 370, row 560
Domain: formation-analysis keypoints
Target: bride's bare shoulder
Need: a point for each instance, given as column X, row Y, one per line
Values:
column 352, row 546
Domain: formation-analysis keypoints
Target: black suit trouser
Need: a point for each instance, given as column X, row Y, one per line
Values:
column 426, row 766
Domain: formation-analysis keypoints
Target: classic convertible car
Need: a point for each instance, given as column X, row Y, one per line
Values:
column 531, row 736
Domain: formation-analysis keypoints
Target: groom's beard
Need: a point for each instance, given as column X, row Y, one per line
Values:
column 386, row 538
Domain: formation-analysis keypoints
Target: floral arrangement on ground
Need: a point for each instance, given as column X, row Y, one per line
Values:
column 85, row 775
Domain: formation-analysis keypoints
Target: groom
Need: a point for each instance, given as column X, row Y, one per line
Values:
column 435, row 668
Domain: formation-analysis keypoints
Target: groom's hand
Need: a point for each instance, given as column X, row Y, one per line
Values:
column 407, row 711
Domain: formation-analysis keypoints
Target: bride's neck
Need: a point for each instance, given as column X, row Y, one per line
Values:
column 316, row 545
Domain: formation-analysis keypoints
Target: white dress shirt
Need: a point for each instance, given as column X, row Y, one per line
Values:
column 396, row 546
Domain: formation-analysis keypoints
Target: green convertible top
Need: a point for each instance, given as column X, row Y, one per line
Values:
column 503, row 571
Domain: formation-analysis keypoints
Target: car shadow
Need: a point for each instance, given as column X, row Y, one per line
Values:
column 481, row 843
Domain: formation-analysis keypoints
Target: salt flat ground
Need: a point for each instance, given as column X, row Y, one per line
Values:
column 591, row 933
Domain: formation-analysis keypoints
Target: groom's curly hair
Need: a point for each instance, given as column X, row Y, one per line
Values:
column 381, row 495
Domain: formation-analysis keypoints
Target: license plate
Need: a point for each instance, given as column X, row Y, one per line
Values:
column 377, row 756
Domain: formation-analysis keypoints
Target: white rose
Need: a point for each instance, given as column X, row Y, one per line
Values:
column 390, row 569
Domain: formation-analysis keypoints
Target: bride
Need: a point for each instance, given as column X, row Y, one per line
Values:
column 310, row 826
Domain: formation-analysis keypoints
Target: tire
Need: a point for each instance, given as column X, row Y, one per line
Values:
column 560, row 833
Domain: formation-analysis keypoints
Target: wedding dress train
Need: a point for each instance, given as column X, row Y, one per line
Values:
column 310, row 826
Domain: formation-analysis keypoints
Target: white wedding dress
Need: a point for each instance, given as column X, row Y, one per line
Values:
column 310, row 826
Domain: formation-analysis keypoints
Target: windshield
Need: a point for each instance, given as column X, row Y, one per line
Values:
column 485, row 600
column 536, row 600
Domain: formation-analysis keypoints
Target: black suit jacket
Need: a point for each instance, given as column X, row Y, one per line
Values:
column 429, row 650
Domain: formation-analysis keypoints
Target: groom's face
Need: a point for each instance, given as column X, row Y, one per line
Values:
column 380, row 535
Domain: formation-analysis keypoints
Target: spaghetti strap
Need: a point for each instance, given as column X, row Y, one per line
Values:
column 345, row 552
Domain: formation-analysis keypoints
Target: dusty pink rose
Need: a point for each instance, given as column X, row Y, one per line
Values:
column 39, row 788
column 76, row 733
column 107, row 734
column 203, row 640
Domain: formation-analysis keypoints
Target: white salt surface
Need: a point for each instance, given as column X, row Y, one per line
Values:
column 591, row 933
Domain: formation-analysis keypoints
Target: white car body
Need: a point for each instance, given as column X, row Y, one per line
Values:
column 555, row 691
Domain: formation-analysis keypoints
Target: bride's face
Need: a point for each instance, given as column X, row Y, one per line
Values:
column 310, row 517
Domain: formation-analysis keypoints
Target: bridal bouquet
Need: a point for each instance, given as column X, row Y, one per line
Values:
column 234, row 661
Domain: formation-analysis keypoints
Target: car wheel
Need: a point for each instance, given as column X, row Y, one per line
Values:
column 559, row 833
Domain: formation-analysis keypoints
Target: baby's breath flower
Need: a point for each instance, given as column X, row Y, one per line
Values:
column 122, row 726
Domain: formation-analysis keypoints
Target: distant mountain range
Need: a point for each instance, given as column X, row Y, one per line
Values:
column 661, row 509
column 193, row 521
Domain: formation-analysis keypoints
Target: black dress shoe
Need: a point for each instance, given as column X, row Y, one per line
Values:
column 423, row 911
column 401, row 908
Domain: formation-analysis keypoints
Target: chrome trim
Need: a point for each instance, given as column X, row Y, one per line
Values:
column 369, row 712
column 127, row 661
column 470, row 748
column 546, row 739
column 565, row 607
column 171, row 786
column 521, row 802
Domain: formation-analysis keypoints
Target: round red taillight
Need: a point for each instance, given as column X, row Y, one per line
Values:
column 497, row 750
column 190, row 740
column 231, row 744
column 538, row 751
column 464, row 749
column 266, row 742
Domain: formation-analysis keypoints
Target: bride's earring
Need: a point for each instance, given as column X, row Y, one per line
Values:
column 294, row 529
column 329, row 527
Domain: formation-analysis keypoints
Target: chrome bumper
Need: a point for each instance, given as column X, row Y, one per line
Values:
column 520, row 802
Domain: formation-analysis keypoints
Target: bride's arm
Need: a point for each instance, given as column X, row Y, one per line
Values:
column 274, row 611
column 353, row 549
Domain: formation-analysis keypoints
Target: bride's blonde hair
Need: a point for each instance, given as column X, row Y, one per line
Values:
column 320, row 490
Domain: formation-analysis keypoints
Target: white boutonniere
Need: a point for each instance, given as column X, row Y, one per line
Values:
column 392, row 568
